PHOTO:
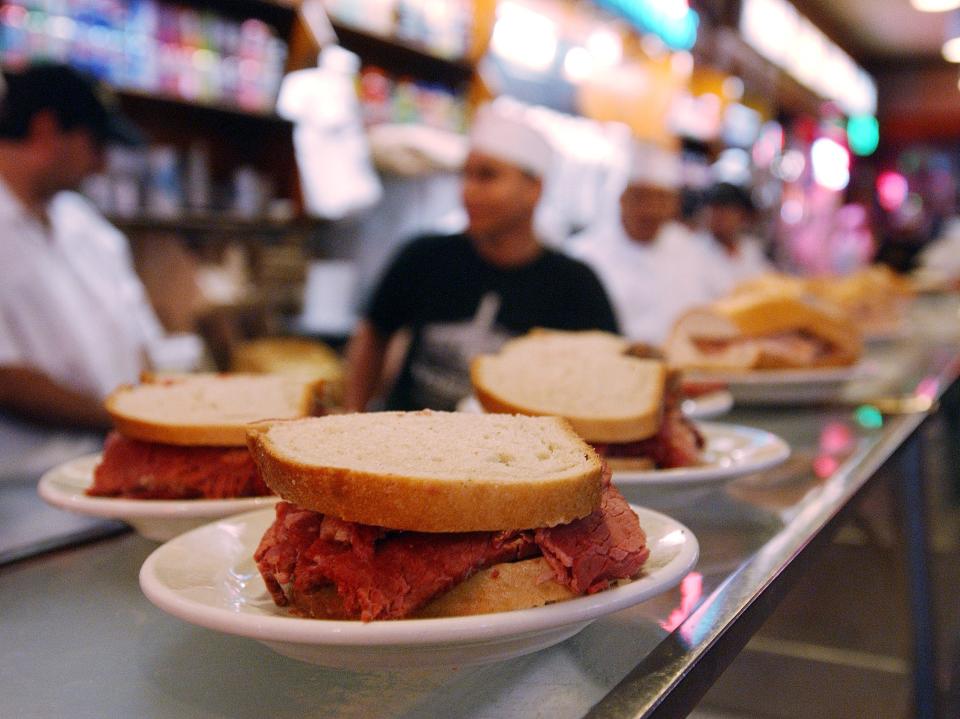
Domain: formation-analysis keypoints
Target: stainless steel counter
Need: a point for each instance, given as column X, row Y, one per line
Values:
column 78, row 639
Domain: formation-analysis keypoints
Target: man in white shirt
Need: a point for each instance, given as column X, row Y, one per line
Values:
column 74, row 320
column 730, row 254
column 645, row 257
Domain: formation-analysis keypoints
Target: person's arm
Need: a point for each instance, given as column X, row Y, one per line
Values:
column 30, row 393
column 591, row 307
column 388, row 312
column 365, row 359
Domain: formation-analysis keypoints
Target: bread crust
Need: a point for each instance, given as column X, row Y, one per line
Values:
column 621, row 430
column 429, row 505
column 630, row 464
column 617, row 430
column 767, row 314
column 213, row 435
column 839, row 357
column 500, row 588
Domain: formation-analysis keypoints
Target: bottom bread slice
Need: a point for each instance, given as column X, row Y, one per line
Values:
column 501, row 588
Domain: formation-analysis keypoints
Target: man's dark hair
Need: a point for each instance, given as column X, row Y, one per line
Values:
column 73, row 99
column 730, row 195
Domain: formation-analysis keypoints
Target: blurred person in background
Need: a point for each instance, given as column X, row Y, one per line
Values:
column 464, row 294
column 691, row 208
column 74, row 318
column 939, row 261
column 645, row 256
column 730, row 254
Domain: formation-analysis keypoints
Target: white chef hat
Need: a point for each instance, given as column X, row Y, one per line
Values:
column 654, row 166
column 509, row 138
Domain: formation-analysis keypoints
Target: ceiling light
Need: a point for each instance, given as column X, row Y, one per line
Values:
column 951, row 50
column 524, row 37
column 606, row 47
column 577, row 64
column 935, row 5
column 951, row 45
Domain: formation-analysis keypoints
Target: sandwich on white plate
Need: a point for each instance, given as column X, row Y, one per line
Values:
column 773, row 328
column 875, row 298
column 394, row 515
column 627, row 407
column 184, row 436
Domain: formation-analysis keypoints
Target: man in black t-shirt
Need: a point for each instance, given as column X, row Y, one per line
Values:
column 462, row 295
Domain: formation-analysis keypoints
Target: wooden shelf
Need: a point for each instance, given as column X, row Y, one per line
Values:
column 224, row 109
column 214, row 224
column 400, row 58
column 279, row 13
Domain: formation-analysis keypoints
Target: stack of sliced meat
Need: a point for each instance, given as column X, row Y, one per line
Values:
column 794, row 348
column 677, row 443
column 382, row 574
column 148, row 470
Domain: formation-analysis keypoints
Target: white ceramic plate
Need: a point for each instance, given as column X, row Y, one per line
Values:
column 156, row 519
column 707, row 406
column 208, row 577
column 783, row 386
column 731, row 451
column 712, row 404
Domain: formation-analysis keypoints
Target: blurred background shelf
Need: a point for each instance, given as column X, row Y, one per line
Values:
column 136, row 98
column 215, row 224
column 400, row 56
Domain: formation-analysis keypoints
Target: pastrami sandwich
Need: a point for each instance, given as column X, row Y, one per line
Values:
column 627, row 407
column 772, row 328
column 390, row 515
column 184, row 436
column 874, row 298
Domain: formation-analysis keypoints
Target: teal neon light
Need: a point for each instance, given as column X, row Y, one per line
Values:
column 678, row 31
column 863, row 134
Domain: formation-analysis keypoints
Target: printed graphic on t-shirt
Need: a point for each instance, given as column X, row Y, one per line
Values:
column 440, row 368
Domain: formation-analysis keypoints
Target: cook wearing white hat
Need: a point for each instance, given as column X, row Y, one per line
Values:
column 646, row 259
column 651, row 198
column 503, row 180
column 507, row 137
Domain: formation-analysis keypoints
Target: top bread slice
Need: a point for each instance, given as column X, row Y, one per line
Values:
column 431, row 471
column 207, row 409
column 585, row 377
column 762, row 313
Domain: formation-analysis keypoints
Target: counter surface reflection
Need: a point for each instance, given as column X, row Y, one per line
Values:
column 78, row 638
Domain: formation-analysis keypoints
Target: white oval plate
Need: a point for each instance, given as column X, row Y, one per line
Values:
column 783, row 386
column 208, row 577
column 156, row 519
column 731, row 451
column 712, row 404
column 707, row 406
